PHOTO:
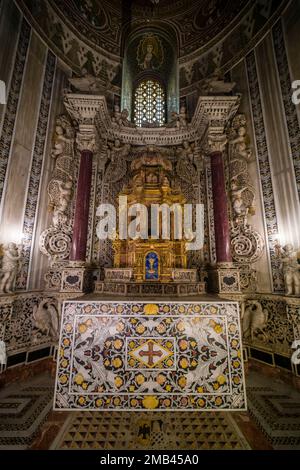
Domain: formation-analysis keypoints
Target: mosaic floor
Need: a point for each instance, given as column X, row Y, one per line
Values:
column 23, row 410
column 126, row 430
column 276, row 409
column 273, row 421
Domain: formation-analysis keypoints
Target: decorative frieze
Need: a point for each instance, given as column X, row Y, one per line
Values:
column 265, row 170
column 36, row 171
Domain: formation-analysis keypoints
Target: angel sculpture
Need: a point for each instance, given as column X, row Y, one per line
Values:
column 10, row 265
column 117, row 166
column 45, row 319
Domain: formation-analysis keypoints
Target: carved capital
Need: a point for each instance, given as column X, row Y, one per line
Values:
column 218, row 110
column 86, row 139
column 216, row 143
column 83, row 108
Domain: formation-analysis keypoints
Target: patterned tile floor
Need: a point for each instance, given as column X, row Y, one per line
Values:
column 273, row 421
column 23, row 409
column 275, row 406
column 127, row 430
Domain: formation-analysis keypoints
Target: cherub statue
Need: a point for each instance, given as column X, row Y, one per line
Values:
column 10, row 265
column 291, row 269
column 241, row 148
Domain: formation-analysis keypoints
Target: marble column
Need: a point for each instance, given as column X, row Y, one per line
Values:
column 224, row 277
column 78, row 275
column 221, row 221
column 81, row 219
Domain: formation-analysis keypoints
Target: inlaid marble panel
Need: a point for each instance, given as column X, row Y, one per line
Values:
column 150, row 356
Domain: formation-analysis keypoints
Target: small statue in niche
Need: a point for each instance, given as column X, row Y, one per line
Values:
column 10, row 265
column 290, row 262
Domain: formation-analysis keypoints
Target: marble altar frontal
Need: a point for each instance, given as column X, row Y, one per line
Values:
column 150, row 356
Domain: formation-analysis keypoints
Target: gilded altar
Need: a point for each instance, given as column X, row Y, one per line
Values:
column 153, row 258
column 155, row 262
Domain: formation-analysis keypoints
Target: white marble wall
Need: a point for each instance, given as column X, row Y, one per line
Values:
column 283, row 176
column 21, row 154
column 21, row 159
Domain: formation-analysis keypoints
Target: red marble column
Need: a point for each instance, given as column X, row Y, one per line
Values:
column 222, row 232
column 81, row 219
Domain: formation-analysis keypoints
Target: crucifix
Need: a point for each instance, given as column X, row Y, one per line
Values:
column 150, row 354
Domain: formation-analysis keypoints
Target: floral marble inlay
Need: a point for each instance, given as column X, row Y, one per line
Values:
column 158, row 356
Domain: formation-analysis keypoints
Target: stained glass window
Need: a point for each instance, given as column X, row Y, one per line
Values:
column 149, row 104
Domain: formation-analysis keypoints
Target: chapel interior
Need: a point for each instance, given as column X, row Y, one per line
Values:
column 114, row 336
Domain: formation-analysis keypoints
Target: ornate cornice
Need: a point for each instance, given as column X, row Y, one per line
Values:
column 150, row 136
column 218, row 111
column 83, row 108
column 212, row 114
